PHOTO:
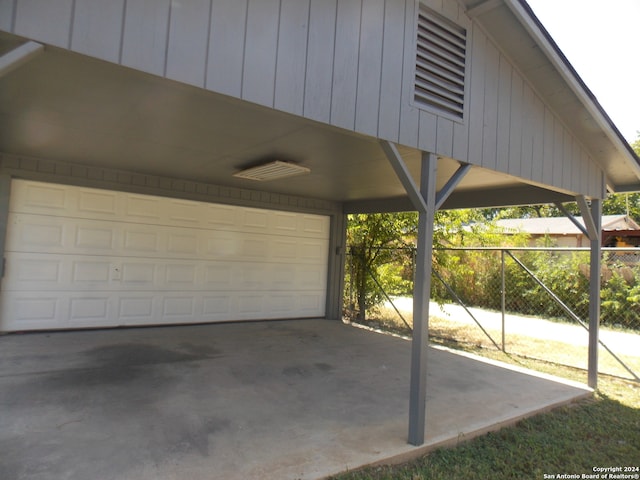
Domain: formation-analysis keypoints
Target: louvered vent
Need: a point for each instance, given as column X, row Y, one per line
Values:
column 272, row 171
column 440, row 63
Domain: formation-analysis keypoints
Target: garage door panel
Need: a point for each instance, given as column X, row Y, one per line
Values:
column 41, row 233
column 98, row 202
column 57, row 273
column 94, row 204
column 26, row 311
column 89, row 311
column 95, row 238
column 144, row 209
column 216, row 307
column 79, row 257
column 91, row 273
column 100, row 309
column 42, row 198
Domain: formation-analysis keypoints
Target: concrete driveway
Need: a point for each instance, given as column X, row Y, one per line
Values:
column 280, row 400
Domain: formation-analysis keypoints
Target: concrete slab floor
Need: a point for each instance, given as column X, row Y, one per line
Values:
column 266, row 400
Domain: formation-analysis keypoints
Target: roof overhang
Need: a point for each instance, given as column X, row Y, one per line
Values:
column 66, row 107
column 513, row 25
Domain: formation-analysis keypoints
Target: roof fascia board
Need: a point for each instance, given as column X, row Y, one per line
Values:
column 544, row 40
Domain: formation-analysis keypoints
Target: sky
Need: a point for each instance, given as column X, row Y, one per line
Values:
column 600, row 38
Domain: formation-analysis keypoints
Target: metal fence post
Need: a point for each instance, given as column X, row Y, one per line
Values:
column 503, row 299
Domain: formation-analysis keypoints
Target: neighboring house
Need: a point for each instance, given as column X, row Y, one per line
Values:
column 130, row 127
column 617, row 231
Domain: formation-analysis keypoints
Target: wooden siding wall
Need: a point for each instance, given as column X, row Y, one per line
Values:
column 348, row 63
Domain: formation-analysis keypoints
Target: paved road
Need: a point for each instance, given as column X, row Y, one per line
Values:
column 619, row 342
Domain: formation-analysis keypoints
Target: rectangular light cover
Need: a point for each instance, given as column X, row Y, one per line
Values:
column 272, row 171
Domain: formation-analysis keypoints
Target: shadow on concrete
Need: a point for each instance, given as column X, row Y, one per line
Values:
column 288, row 399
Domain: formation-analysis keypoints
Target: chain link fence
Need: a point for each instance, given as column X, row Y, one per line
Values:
column 525, row 301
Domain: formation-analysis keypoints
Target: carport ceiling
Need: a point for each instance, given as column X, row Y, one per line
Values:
column 67, row 107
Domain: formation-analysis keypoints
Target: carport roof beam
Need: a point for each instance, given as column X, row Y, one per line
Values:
column 18, row 56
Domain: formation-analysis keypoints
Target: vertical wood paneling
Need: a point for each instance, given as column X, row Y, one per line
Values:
column 515, row 134
column 188, row 35
column 461, row 130
column 504, row 115
column 586, row 160
column 589, row 172
column 144, row 41
column 566, row 159
column 97, row 28
column 527, row 134
column 444, row 137
column 427, row 132
column 558, row 150
column 578, row 170
column 597, row 178
column 538, row 139
column 259, row 77
column 409, row 115
column 226, row 46
column 391, row 86
column 345, row 64
column 370, row 67
column 490, row 114
column 460, row 141
column 576, row 175
column 476, row 104
column 292, row 56
column 319, row 76
column 547, row 165
column 6, row 14
column 45, row 21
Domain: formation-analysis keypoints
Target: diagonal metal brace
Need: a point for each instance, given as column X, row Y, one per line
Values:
column 455, row 179
column 404, row 176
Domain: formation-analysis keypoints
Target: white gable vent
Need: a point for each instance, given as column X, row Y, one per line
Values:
column 440, row 63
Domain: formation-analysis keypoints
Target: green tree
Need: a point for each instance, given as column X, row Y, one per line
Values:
column 374, row 240
column 381, row 248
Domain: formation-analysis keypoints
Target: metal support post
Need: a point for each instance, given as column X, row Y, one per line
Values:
column 421, row 295
column 503, row 299
column 594, row 292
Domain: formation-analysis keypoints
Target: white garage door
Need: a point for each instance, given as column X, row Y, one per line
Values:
column 81, row 257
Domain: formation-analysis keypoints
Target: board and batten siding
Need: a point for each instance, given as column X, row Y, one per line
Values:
column 348, row 63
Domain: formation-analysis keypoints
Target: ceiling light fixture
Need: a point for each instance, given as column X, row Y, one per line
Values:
column 272, row 171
